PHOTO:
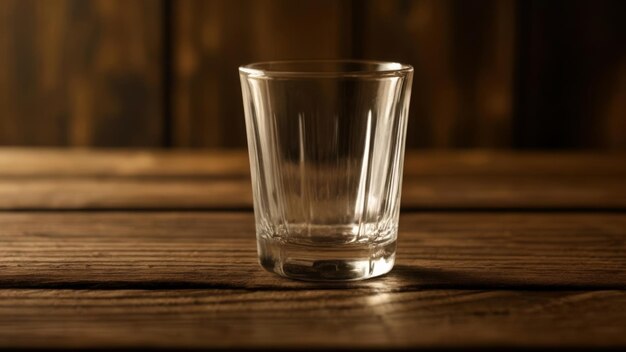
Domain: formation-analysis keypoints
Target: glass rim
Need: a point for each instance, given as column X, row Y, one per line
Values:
column 376, row 69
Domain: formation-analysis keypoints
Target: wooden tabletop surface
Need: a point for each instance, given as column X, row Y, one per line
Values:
column 136, row 249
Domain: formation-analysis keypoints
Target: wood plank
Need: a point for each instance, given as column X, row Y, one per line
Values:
column 174, row 319
column 463, row 55
column 208, row 249
column 76, row 72
column 212, row 38
column 515, row 192
column 116, row 163
column 88, row 179
column 85, row 194
column 25, row 162
column 426, row 193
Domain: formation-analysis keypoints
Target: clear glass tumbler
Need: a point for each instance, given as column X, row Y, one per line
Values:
column 326, row 143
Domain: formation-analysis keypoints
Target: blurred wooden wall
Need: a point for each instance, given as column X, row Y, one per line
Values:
column 76, row 72
column 488, row 73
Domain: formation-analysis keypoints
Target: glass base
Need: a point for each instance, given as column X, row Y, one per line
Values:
column 326, row 262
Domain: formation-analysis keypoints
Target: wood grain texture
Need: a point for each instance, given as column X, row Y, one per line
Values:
column 76, row 72
column 123, row 163
column 155, row 73
column 213, row 38
column 418, row 193
column 75, row 162
column 86, row 179
column 218, row 250
column 231, row 319
column 463, row 55
column 129, row 194
column 190, row 279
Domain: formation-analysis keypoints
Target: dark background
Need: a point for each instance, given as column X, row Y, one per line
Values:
column 153, row 73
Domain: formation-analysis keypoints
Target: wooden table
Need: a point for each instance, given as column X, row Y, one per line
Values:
column 133, row 249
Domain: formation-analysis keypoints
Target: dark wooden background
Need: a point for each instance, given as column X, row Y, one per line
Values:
column 156, row 73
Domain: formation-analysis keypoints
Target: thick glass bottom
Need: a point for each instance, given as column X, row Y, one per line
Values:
column 326, row 262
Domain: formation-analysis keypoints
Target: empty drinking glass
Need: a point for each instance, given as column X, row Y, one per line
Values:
column 326, row 144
